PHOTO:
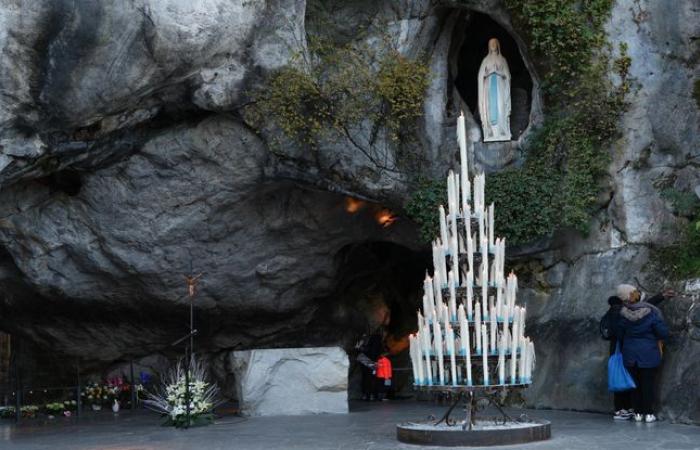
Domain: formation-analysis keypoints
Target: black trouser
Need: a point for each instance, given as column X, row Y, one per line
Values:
column 368, row 382
column 623, row 400
column 643, row 396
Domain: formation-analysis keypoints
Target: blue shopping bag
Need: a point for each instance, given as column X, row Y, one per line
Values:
column 619, row 379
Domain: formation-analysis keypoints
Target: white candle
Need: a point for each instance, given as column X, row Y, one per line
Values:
column 493, row 330
column 491, row 224
column 482, row 232
column 531, row 365
column 457, row 188
column 470, row 251
column 477, row 328
column 445, row 315
column 464, row 168
column 426, row 352
column 523, row 363
column 499, row 303
column 484, row 356
column 484, row 280
column 514, row 353
column 453, row 361
column 502, row 360
column 470, row 293
column 464, row 341
column 443, row 225
column 439, row 355
column 453, row 295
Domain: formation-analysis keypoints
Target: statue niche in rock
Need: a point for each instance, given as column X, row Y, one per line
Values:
column 494, row 95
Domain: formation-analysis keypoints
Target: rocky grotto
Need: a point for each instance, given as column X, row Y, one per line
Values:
column 128, row 159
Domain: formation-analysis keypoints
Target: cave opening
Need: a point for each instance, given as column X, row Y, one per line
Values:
column 479, row 28
column 378, row 290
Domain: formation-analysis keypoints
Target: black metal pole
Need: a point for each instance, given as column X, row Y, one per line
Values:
column 187, row 389
column 18, row 383
column 133, row 386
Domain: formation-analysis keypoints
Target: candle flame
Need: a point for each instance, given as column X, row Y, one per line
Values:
column 353, row 205
column 385, row 218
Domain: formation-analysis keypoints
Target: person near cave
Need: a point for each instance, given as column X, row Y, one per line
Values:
column 384, row 374
column 371, row 348
column 641, row 330
column 609, row 324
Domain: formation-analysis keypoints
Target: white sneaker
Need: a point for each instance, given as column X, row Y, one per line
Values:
column 623, row 414
column 638, row 417
column 650, row 418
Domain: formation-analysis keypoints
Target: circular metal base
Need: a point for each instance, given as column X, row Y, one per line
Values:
column 485, row 433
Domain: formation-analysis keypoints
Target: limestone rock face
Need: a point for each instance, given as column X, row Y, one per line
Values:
column 126, row 163
column 567, row 295
column 291, row 381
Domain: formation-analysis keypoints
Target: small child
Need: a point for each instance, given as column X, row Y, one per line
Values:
column 383, row 375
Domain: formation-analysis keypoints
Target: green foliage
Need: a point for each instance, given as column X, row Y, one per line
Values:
column 684, row 204
column 682, row 259
column 349, row 91
column 421, row 206
column 559, row 183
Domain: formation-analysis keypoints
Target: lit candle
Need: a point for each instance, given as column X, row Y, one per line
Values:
column 484, row 356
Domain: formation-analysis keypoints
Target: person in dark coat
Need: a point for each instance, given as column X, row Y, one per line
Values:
column 640, row 328
column 623, row 400
column 370, row 352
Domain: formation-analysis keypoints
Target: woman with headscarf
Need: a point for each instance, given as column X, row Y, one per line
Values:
column 494, row 94
column 640, row 328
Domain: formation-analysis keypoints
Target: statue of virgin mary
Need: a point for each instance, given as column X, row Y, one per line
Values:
column 494, row 95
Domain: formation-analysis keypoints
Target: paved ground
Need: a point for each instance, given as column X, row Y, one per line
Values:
column 368, row 426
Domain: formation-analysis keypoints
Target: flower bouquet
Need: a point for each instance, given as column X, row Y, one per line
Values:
column 172, row 398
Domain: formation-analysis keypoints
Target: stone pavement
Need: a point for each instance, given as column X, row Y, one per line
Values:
column 369, row 426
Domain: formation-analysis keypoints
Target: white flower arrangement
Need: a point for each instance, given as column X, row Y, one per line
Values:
column 171, row 399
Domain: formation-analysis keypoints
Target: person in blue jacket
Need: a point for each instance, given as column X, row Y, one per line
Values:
column 640, row 329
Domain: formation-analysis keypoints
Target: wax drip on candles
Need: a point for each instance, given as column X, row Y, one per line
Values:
column 484, row 356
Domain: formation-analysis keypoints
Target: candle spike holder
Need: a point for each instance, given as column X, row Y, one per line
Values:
column 472, row 359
